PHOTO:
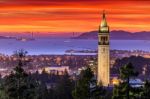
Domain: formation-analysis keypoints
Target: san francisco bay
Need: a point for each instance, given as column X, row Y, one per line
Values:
column 59, row 46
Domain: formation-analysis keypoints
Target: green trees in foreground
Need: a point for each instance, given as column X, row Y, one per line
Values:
column 17, row 85
column 20, row 85
column 125, row 90
column 86, row 86
column 64, row 87
column 146, row 91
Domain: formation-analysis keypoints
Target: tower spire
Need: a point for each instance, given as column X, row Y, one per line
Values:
column 104, row 26
column 104, row 22
column 103, row 14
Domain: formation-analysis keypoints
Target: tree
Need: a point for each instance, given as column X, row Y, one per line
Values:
column 93, row 65
column 2, row 91
column 82, row 88
column 124, row 90
column 64, row 87
column 146, row 91
column 18, row 85
column 98, row 92
column 42, row 92
column 86, row 86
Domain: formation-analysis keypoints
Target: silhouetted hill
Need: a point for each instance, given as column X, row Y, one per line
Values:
column 138, row 64
column 117, row 35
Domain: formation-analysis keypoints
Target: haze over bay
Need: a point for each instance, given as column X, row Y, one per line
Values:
column 59, row 46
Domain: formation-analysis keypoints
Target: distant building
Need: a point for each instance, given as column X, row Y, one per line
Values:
column 136, row 83
column 103, row 75
column 60, row 70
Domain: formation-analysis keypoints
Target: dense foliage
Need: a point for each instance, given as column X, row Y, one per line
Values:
column 125, row 90
column 86, row 86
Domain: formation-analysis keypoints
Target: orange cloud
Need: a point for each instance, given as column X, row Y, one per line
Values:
column 73, row 15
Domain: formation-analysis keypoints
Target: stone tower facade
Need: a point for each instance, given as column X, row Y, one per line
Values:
column 103, row 76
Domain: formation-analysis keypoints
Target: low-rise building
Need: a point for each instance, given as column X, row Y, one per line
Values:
column 60, row 70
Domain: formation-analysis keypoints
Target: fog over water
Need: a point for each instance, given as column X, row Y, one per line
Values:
column 59, row 46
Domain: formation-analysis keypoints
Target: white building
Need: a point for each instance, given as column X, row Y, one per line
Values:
column 60, row 70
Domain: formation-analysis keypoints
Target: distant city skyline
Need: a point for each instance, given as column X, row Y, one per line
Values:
column 72, row 15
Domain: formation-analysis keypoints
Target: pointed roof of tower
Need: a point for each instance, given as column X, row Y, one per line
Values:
column 103, row 22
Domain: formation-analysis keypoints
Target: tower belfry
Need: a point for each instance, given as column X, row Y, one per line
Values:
column 103, row 76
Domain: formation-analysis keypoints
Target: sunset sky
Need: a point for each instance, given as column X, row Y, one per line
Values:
column 73, row 15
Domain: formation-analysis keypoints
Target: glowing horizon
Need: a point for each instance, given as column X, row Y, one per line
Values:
column 73, row 15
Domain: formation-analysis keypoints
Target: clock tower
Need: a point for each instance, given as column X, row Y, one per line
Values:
column 103, row 76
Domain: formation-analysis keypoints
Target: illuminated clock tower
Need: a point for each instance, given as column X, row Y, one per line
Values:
column 103, row 76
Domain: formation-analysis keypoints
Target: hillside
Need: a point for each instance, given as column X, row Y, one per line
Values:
column 117, row 35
